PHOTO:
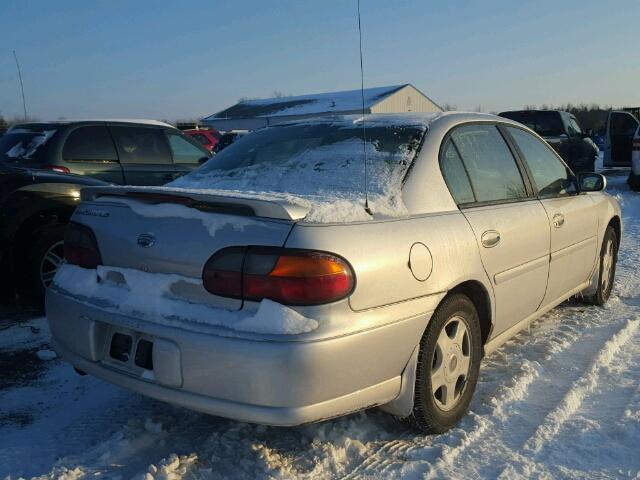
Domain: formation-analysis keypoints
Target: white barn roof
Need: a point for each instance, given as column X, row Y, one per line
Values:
column 251, row 114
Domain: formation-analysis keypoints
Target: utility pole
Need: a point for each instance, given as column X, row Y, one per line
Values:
column 24, row 103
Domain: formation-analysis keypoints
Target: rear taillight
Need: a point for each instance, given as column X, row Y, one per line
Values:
column 287, row 276
column 56, row 168
column 80, row 246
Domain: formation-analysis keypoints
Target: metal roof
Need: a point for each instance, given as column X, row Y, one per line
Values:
column 318, row 103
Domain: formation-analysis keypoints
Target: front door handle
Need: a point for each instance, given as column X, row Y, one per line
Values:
column 490, row 238
column 558, row 220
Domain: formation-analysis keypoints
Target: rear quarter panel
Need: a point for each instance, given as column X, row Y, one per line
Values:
column 379, row 253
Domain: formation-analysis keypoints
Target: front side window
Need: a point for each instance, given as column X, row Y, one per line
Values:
column 91, row 144
column 622, row 124
column 141, row 145
column 492, row 170
column 574, row 128
column 550, row 176
column 185, row 151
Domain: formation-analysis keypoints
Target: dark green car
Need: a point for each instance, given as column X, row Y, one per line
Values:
column 127, row 152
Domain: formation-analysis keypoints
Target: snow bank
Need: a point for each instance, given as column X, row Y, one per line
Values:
column 149, row 296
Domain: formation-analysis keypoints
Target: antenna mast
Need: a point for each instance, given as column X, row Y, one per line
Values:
column 364, row 128
column 24, row 104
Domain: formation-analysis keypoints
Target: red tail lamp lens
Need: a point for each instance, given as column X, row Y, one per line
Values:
column 287, row 276
column 81, row 247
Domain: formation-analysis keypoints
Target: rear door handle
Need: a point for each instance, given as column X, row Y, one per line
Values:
column 490, row 238
column 558, row 220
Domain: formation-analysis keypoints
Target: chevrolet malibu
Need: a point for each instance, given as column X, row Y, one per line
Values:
column 321, row 267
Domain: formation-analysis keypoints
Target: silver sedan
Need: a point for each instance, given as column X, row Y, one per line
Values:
column 317, row 268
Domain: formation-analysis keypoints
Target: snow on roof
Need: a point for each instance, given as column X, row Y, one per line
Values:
column 311, row 104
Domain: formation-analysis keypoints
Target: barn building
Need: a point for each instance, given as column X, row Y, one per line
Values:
column 253, row 114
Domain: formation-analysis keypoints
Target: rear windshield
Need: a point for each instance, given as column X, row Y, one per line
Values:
column 545, row 124
column 313, row 159
column 21, row 144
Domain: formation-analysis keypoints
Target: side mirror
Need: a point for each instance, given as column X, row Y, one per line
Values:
column 591, row 182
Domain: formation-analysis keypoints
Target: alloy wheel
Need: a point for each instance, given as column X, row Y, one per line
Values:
column 607, row 267
column 451, row 363
column 50, row 263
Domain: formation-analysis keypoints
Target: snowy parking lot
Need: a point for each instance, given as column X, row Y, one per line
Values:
column 561, row 400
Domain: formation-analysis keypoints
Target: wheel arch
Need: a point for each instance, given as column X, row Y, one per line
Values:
column 402, row 405
column 479, row 295
column 616, row 224
column 31, row 224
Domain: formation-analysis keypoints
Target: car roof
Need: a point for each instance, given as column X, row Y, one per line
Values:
column 532, row 111
column 136, row 121
column 406, row 118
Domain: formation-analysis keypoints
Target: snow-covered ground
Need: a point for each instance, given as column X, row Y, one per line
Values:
column 561, row 400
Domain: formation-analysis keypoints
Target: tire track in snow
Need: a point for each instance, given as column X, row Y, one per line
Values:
column 500, row 427
column 584, row 386
column 455, row 443
column 608, row 413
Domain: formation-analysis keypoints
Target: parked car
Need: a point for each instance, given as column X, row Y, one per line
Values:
column 621, row 127
column 634, row 175
column 227, row 138
column 296, row 304
column 132, row 152
column 563, row 132
column 207, row 137
column 35, row 206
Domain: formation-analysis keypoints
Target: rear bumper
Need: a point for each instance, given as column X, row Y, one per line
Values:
column 270, row 382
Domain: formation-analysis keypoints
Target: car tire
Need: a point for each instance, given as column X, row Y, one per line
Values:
column 44, row 252
column 450, row 354
column 606, row 268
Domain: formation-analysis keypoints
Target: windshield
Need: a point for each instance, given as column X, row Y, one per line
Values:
column 22, row 143
column 317, row 159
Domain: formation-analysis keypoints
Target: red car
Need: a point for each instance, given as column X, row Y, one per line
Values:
column 207, row 137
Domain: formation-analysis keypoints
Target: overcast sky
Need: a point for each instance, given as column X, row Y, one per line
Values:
column 176, row 60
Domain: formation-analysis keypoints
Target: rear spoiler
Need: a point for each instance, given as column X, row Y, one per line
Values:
column 275, row 208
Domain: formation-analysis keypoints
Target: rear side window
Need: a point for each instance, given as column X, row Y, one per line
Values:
column 551, row 177
column 455, row 175
column 92, row 144
column 185, row 151
column 141, row 145
column 492, row 170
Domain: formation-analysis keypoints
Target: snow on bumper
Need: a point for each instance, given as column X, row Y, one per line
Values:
column 271, row 382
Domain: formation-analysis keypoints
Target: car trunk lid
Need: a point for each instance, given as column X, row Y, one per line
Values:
column 168, row 233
